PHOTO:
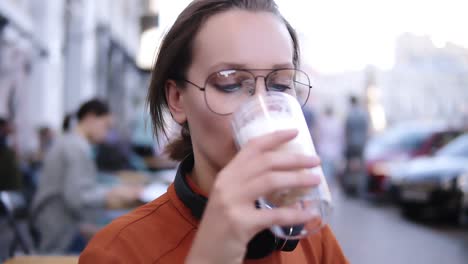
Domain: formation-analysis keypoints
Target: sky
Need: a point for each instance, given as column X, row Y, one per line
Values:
column 343, row 35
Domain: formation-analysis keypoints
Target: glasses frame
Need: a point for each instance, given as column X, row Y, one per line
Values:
column 255, row 77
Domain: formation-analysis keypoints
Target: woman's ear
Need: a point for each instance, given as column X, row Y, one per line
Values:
column 174, row 100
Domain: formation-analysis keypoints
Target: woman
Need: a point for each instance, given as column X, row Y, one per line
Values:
column 68, row 194
column 195, row 75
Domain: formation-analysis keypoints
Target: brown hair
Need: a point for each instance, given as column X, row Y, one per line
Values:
column 175, row 56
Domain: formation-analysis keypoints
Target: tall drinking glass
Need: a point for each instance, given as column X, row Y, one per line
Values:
column 275, row 111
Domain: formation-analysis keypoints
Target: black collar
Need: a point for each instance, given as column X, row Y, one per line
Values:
column 194, row 201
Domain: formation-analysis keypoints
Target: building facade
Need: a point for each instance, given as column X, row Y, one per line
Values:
column 426, row 82
column 55, row 54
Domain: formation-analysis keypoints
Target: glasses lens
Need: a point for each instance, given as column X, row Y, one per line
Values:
column 226, row 90
column 293, row 82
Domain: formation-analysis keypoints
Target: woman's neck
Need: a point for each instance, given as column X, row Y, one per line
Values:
column 203, row 173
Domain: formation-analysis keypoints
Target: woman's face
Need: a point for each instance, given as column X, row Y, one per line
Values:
column 233, row 39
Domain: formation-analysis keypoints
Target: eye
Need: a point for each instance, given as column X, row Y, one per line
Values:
column 278, row 87
column 228, row 88
column 281, row 81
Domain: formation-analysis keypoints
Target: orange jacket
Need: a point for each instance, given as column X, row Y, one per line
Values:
column 162, row 232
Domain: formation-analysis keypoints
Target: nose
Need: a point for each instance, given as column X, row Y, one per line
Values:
column 260, row 85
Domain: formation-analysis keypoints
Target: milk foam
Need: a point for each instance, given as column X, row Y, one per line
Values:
column 274, row 122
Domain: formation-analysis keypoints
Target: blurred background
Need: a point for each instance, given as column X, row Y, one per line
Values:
column 388, row 112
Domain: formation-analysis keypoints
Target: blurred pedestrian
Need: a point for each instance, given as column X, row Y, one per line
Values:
column 357, row 127
column 68, row 194
column 330, row 143
column 10, row 175
column 45, row 137
column 217, row 54
column 68, row 123
column 356, row 134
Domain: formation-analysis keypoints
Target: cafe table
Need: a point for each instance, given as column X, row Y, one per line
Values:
column 43, row 260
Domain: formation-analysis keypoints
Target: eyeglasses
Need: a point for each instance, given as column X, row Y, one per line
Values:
column 226, row 90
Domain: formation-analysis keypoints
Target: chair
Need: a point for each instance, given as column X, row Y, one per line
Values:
column 14, row 204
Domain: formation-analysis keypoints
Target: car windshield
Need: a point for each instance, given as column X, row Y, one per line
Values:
column 457, row 147
column 399, row 140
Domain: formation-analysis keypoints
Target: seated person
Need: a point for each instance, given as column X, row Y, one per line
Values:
column 68, row 196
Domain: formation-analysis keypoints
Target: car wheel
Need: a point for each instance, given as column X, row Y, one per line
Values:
column 462, row 216
column 410, row 211
column 462, row 219
column 348, row 185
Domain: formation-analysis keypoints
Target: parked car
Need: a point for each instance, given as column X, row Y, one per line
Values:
column 463, row 185
column 398, row 144
column 437, row 186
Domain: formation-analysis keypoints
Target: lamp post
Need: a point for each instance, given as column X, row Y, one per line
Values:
column 374, row 106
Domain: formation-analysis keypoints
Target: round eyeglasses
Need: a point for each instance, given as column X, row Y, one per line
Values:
column 226, row 90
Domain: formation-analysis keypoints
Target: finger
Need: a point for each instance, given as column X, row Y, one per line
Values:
column 251, row 161
column 272, row 140
column 273, row 161
column 286, row 161
column 277, row 181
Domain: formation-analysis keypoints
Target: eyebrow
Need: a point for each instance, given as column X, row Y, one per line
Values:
column 230, row 65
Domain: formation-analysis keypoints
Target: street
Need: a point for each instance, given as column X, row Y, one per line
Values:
column 374, row 233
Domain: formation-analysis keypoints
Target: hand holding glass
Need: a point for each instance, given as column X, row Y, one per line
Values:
column 274, row 111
